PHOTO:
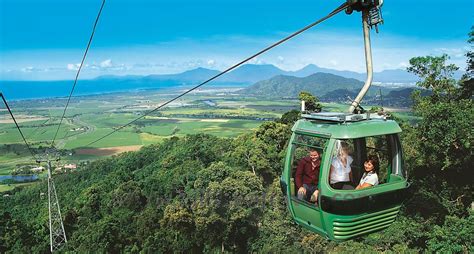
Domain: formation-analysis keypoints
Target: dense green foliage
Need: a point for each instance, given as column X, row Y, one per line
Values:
column 202, row 193
column 311, row 102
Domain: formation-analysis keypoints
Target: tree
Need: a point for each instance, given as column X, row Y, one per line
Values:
column 249, row 153
column 446, row 121
column 13, row 233
column 261, row 151
column 311, row 102
column 106, row 235
column 216, row 172
column 435, row 75
column 178, row 222
column 442, row 146
column 274, row 134
column 277, row 233
column 467, row 83
column 90, row 202
column 290, row 117
column 455, row 236
column 229, row 213
column 128, row 195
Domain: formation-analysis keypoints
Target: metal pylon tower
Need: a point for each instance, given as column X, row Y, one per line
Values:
column 57, row 234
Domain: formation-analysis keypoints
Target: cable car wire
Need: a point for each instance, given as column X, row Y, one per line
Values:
column 78, row 72
column 33, row 133
column 17, row 126
column 334, row 12
column 44, row 124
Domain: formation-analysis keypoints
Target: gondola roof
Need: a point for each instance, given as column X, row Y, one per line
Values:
column 345, row 126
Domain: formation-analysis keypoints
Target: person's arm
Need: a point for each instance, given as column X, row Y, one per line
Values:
column 314, row 196
column 299, row 174
column 364, row 185
column 350, row 160
column 369, row 182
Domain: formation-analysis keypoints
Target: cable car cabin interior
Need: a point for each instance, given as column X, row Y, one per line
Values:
column 341, row 211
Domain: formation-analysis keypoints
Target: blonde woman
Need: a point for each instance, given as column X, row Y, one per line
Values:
column 340, row 176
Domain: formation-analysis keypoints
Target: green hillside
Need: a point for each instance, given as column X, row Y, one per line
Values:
column 202, row 193
column 319, row 84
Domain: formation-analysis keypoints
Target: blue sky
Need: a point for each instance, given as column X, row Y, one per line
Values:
column 45, row 40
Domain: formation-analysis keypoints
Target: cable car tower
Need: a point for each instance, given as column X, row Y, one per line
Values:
column 57, row 234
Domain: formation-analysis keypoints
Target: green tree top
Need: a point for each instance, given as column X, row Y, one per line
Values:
column 445, row 129
column 467, row 83
column 311, row 101
column 435, row 74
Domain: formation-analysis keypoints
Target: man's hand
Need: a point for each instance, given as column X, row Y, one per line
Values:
column 314, row 197
column 302, row 191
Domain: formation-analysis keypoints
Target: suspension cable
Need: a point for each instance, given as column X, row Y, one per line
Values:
column 334, row 12
column 17, row 126
column 78, row 72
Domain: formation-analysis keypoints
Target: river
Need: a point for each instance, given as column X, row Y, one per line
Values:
column 19, row 178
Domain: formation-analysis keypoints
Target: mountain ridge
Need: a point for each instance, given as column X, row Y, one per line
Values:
column 319, row 84
column 251, row 73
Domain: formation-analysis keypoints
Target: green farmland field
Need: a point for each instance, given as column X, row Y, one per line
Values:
column 89, row 118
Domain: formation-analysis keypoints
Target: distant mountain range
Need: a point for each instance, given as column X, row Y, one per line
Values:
column 251, row 73
column 327, row 81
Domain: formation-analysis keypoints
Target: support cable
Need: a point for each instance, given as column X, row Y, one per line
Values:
column 78, row 72
column 18, row 127
column 334, row 12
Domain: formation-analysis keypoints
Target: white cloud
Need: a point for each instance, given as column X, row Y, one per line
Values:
column 30, row 69
column 104, row 66
column 256, row 60
column 106, row 63
column 453, row 52
column 211, row 62
column 73, row 67
column 403, row 65
column 27, row 69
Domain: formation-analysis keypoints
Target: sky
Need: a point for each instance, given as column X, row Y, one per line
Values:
column 45, row 39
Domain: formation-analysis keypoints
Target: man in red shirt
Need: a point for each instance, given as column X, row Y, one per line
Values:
column 307, row 176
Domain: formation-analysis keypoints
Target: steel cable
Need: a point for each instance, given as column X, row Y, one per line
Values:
column 334, row 12
column 78, row 72
column 17, row 126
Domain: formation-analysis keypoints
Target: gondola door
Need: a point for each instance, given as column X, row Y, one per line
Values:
column 305, row 212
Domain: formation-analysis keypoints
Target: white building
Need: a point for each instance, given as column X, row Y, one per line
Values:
column 37, row 169
column 70, row 166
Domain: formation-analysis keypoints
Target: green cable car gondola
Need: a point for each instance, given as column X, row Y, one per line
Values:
column 338, row 210
column 341, row 214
